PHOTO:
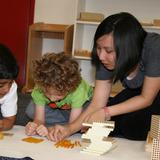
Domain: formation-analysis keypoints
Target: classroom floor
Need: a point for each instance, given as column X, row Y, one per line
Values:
column 23, row 101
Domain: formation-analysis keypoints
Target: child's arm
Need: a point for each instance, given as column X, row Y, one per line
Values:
column 74, row 114
column 39, row 119
column 7, row 123
column 55, row 132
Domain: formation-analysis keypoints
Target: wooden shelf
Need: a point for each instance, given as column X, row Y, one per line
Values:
column 145, row 25
column 87, row 19
column 37, row 32
column 88, row 22
column 81, row 35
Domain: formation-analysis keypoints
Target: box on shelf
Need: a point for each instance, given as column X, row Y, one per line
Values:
column 84, row 53
column 147, row 23
column 156, row 22
column 90, row 16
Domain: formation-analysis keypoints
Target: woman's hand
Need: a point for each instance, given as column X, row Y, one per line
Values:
column 59, row 132
column 97, row 116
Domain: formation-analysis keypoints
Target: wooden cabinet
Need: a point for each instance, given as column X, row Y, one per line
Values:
column 85, row 29
column 37, row 32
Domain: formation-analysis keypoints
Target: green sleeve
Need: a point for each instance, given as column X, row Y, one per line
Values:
column 82, row 94
column 38, row 97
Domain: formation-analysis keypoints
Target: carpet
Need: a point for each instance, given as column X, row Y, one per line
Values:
column 23, row 101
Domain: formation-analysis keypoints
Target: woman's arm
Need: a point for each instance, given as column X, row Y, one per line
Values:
column 100, row 96
column 151, row 87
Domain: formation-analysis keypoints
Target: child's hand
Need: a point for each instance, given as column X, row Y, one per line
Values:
column 30, row 128
column 42, row 130
column 58, row 132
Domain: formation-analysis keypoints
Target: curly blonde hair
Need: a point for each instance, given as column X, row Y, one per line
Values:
column 57, row 70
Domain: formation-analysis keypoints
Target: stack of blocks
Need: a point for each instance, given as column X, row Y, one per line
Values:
column 100, row 143
column 155, row 134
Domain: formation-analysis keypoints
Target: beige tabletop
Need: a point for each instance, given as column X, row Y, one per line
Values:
column 13, row 146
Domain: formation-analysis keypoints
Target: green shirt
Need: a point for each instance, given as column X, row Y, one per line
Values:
column 75, row 99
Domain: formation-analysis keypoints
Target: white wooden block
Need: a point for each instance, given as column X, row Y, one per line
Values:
column 98, row 136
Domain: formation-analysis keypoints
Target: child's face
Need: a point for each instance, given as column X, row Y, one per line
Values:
column 53, row 95
column 5, row 85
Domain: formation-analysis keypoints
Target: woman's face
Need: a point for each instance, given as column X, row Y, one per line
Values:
column 106, row 52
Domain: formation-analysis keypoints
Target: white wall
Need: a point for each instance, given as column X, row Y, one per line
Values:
column 64, row 11
column 55, row 11
column 60, row 12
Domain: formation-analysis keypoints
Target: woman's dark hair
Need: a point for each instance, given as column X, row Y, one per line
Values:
column 8, row 65
column 128, row 38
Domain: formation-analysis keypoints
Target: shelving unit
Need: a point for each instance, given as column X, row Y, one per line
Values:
column 39, row 31
column 84, row 30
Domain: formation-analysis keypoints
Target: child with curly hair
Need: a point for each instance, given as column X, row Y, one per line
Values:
column 60, row 93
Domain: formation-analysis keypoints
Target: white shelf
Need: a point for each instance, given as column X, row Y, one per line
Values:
column 97, row 23
column 82, row 57
column 87, row 22
column 152, row 27
column 84, row 30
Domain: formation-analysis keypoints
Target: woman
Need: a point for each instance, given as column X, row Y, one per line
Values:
column 123, row 51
